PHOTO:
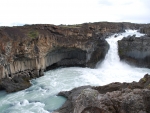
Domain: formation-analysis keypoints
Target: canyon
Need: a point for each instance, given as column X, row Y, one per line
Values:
column 27, row 51
column 115, row 97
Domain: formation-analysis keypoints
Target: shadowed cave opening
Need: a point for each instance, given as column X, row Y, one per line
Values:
column 72, row 63
column 68, row 57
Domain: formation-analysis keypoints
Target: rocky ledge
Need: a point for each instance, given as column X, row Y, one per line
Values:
column 135, row 50
column 112, row 98
column 27, row 51
column 145, row 30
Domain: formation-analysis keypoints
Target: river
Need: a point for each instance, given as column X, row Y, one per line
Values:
column 41, row 96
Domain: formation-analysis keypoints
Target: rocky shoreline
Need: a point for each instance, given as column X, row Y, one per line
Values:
column 112, row 98
column 27, row 51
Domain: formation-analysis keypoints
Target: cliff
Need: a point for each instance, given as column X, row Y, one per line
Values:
column 135, row 50
column 145, row 30
column 27, row 51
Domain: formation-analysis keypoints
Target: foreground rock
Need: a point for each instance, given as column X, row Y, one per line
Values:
column 135, row 50
column 36, row 48
column 112, row 98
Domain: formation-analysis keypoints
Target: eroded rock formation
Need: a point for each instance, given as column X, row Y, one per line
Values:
column 135, row 50
column 145, row 30
column 112, row 98
column 26, row 51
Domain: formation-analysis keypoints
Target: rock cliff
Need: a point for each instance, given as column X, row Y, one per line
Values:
column 145, row 30
column 27, row 51
column 112, row 98
column 135, row 50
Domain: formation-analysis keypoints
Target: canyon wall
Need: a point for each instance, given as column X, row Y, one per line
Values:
column 136, row 50
column 27, row 51
column 145, row 30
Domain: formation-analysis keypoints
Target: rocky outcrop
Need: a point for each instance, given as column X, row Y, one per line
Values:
column 112, row 98
column 19, row 81
column 145, row 30
column 135, row 50
column 36, row 48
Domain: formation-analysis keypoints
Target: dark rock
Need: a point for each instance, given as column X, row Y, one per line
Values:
column 146, row 98
column 145, row 30
column 145, row 81
column 68, row 57
column 112, row 98
column 18, row 81
column 98, row 54
column 116, row 36
column 135, row 50
column 73, row 91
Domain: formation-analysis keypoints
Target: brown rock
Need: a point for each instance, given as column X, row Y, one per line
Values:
column 40, row 47
column 135, row 51
column 112, row 98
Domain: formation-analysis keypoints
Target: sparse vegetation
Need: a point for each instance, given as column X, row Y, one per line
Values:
column 71, row 26
column 143, row 79
column 33, row 34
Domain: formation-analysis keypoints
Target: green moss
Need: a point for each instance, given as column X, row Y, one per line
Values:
column 33, row 34
column 143, row 79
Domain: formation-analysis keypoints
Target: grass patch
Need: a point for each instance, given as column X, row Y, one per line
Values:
column 33, row 34
column 71, row 26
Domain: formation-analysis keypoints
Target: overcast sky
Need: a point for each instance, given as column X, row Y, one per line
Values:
column 18, row 12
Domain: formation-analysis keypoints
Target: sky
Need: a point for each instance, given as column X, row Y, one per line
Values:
column 20, row 12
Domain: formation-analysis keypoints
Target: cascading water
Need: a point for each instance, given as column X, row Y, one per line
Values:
column 41, row 96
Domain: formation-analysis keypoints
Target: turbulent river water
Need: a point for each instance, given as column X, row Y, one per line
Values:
column 41, row 96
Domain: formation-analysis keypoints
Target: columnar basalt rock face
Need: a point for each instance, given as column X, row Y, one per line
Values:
column 112, row 98
column 135, row 50
column 33, row 48
column 145, row 30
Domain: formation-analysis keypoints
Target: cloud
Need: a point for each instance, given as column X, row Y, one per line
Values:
column 20, row 12
column 127, row 10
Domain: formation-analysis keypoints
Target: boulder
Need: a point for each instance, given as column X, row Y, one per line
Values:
column 18, row 81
